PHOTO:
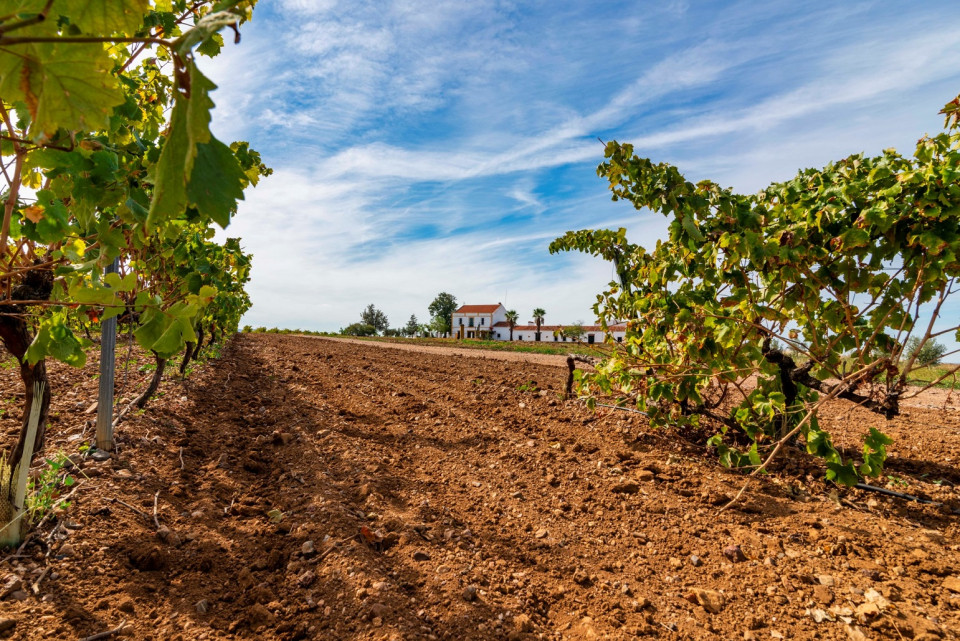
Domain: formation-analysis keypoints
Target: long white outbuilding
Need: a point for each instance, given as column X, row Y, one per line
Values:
column 490, row 322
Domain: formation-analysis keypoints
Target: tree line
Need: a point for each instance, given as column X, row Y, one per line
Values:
column 374, row 322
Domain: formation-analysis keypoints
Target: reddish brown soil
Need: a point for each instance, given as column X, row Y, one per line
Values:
column 494, row 510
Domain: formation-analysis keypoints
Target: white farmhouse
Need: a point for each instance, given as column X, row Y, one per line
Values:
column 477, row 321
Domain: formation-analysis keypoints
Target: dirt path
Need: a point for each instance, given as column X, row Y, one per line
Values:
column 556, row 360
column 318, row 489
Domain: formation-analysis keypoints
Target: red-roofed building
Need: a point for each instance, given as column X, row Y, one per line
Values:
column 477, row 321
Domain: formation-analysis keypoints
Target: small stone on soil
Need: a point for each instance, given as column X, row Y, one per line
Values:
column 11, row 583
column 695, row 561
column 469, row 593
column 168, row 536
column 202, row 606
column 711, row 600
column 627, row 487
column 734, row 553
column 7, row 624
column 307, row 548
column 420, row 555
column 258, row 614
column 523, row 623
column 582, row 578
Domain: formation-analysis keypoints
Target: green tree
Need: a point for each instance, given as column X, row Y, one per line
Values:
column 835, row 263
column 575, row 331
column 538, row 315
column 926, row 354
column 512, row 318
column 359, row 329
column 374, row 318
column 441, row 311
column 413, row 325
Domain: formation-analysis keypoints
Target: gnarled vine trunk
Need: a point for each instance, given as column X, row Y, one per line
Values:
column 154, row 382
column 16, row 337
column 200, row 337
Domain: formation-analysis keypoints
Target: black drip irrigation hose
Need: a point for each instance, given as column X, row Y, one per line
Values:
column 899, row 495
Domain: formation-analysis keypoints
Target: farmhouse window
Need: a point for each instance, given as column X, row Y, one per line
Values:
column 471, row 321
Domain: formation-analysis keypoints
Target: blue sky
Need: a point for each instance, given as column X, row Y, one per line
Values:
column 421, row 147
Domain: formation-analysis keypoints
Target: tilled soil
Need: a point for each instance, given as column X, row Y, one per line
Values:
column 318, row 489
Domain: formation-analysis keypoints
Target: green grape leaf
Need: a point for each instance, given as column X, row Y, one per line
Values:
column 690, row 226
column 216, row 183
column 207, row 293
column 189, row 128
column 178, row 334
column 55, row 339
column 105, row 17
column 205, row 28
column 843, row 473
column 169, row 179
column 874, row 452
column 211, row 46
column 152, row 325
column 94, row 296
column 200, row 104
column 125, row 284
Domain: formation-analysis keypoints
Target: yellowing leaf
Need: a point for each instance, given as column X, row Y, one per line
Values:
column 65, row 85
column 33, row 213
column 75, row 250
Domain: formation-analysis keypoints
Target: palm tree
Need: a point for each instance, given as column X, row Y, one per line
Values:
column 538, row 315
column 512, row 317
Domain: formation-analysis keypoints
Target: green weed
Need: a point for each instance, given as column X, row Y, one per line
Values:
column 44, row 491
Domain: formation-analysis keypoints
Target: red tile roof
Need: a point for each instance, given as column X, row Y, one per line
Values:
column 478, row 309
